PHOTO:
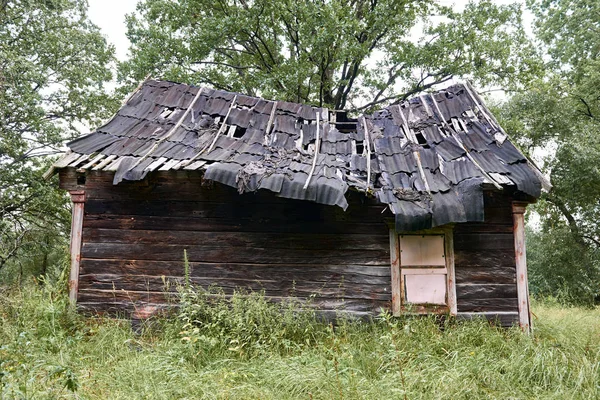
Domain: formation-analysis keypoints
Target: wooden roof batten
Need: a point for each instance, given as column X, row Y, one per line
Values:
column 428, row 158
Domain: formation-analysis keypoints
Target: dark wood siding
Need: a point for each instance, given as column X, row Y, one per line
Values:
column 134, row 236
column 485, row 263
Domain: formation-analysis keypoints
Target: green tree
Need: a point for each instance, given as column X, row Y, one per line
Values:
column 560, row 119
column 53, row 65
column 340, row 53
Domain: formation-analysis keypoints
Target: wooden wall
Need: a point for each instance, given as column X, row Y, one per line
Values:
column 134, row 235
column 484, row 259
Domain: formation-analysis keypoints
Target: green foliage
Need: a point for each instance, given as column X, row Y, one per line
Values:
column 46, row 351
column 558, row 120
column 341, row 53
column 53, row 66
column 186, row 269
column 560, row 266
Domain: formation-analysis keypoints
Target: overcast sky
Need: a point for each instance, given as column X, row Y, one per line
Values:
column 109, row 15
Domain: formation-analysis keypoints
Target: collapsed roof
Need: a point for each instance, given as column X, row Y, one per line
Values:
column 427, row 158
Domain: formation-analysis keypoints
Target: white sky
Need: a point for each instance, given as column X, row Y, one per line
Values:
column 109, row 15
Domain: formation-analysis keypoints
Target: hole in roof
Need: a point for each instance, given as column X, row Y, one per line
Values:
column 239, row 132
column 360, row 147
column 305, row 146
column 343, row 123
column 420, row 138
column 166, row 112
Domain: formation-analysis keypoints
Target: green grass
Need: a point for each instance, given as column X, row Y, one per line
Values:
column 256, row 350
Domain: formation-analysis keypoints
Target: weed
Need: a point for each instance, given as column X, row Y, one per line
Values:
column 240, row 346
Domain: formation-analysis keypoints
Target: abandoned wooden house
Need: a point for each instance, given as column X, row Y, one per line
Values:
column 416, row 208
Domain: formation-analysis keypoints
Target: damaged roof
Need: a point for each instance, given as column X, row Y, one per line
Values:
column 427, row 158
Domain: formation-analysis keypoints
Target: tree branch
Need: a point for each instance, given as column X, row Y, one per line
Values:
column 562, row 207
column 588, row 112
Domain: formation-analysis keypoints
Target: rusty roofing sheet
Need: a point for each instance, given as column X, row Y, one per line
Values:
column 257, row 144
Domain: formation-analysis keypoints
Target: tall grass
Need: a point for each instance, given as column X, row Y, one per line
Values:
column 250, row 349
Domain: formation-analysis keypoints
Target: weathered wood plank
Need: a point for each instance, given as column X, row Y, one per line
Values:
column 155, row 206
column 482, row 227
column 395, row 275
column 449, row 247
column 484, row 258
column 235, row 270
column 360, row 305
column 487, row 305
column 315, row 241
column 184, row 184
column 494, row 274
column 143, row 310
column 304, row 288
column 316, row 279
column 161, row 297
column 486, row 291
column 78, row 199
column 167, row 252
column 158, row 223
column 521, row 266
column 123, row 309
column 68, row 180
column 483, row 241
column 98, row 296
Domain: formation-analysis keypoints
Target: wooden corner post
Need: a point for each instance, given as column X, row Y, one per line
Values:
column 518, row 211
column 397, row 284
column 78, row 199
column 451, row 278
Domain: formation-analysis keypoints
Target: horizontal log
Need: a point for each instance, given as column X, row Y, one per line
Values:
column 505, row 319
column 313, row 303
column 318, row 300
column 196, row 253
column 105, row 295
column 483, row 227
column 484, row 259
column 354, row 273
column 233, row 208
column 496, row 199
column 483, row 241
column 312, row 241
column 485, row 291
column 67, row 179
column 174, row 182
column 184, row 190
column 497, row 208
column 142, row 311
column 277, row 280
column 125, row 309
column 304, row 288
column 140, row 222
column 488, row 305
column 486, row 275
column 498, row 216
